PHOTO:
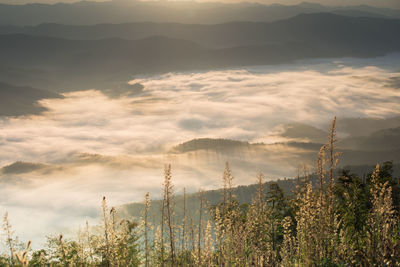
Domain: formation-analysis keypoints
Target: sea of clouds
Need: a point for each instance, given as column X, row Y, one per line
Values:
column 88, row 144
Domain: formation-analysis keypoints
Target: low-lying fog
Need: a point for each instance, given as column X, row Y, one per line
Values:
column 59, row 164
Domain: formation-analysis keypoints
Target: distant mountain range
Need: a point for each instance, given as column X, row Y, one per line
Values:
column 317, row 28
column 122, row 11
column 61, row 64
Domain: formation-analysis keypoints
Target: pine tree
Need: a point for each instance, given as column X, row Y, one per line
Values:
column 381, row 223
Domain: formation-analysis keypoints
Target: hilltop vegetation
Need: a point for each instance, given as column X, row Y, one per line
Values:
column 244, row 194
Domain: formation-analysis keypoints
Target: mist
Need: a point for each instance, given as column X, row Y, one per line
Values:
column 59, row 163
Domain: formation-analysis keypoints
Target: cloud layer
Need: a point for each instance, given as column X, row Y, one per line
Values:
column 87, row 144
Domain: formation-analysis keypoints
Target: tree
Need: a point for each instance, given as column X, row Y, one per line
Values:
column 381, row 223
column 352, row 207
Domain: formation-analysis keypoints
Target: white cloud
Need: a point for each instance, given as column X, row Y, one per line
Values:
column 247, row 104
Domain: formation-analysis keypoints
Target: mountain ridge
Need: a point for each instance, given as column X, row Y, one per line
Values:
column 80, row 64
column 22, row 100
column 302, row 27
column 204, row 13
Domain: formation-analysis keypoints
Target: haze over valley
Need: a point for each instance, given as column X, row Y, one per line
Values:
column 95, row 99
column 72, row 152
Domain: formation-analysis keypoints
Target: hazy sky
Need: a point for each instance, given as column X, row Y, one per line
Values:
column 82, row 152
column 379, row 3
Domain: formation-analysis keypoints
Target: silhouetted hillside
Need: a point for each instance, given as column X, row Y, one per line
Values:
column 382, row 145
column 86, row 12
column 320, row 28
column 49, row 62
column 381, row 140
column 21, row 167
column 219, row 145
column 19, row 100
column 244, row 194
column 72, row 64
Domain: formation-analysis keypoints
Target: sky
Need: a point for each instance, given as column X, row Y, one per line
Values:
column 74, row 153
column 377, row 3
